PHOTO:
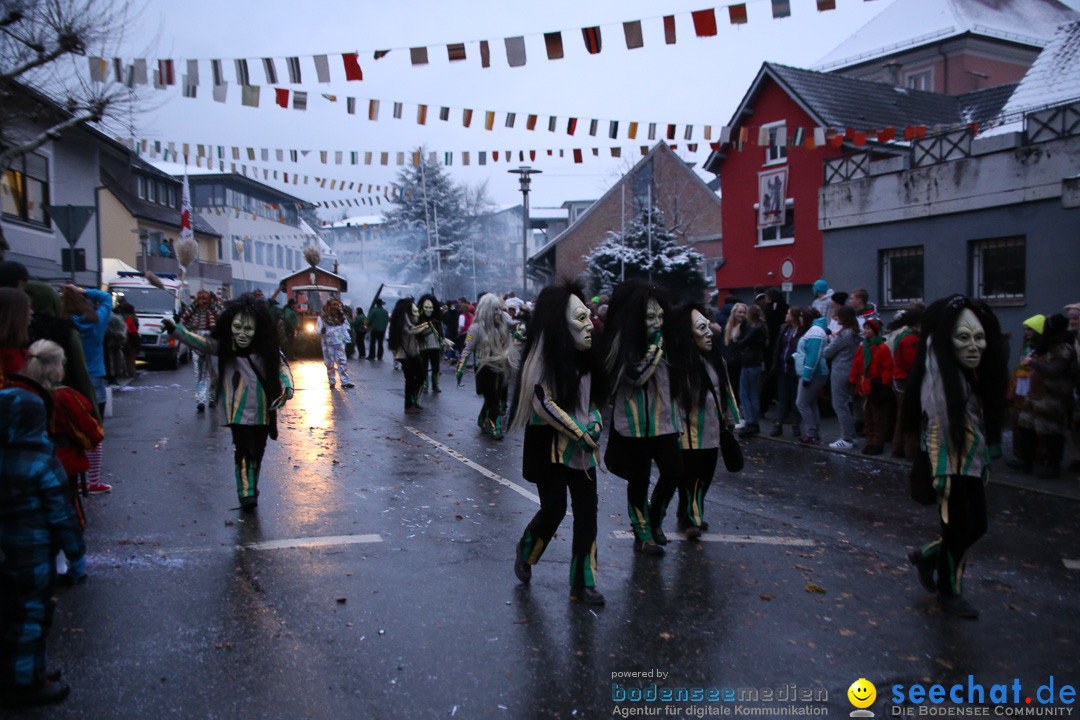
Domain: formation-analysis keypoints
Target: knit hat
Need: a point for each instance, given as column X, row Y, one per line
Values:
column 820, row 286
column 874, row 323
column 1036, row 323
column 840, row 298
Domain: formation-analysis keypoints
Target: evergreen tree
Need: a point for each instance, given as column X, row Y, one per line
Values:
column 429, row 220
column 647, row 245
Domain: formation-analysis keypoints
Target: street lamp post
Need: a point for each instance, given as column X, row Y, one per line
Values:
column 523, row 174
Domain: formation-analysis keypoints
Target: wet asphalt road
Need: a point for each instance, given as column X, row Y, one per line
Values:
column 403, row 603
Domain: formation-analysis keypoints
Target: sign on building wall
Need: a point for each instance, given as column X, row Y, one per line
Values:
column 772, row 189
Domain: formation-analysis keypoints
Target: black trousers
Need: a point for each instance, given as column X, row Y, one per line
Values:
column 249, row 443
column 632, row 459
column 413, row 369
column 376, row 344
column 699, row 467
column 430, row 359
column 963, row 521
column 492, row 386
column 552, row 486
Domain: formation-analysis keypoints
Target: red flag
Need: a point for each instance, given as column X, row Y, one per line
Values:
column 836, row 140
column 704, row 22
column 669, row 29
column 859, row 139
column 186, row 232
column 352, row 67
column 577, row 155
column 737, row 14
column 571, row 125
column 592, row 39
column 886, row 134
column 282, row 97
column 532, row 154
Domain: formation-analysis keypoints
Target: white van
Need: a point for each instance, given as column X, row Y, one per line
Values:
column 151, row 304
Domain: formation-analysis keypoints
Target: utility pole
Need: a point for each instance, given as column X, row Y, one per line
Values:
column 523, row 174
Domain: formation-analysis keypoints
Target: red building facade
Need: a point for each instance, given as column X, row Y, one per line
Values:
column 757, row 256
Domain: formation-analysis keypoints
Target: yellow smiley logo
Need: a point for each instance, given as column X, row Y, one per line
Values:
column 862, row 693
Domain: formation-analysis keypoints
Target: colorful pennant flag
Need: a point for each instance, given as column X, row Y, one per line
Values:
column 704, row 22
column 418, row 55
column 554, row 46
column 669, row 29
column 352, row 66
column 515, row 51
column 592, row 39
column 455, row 52
column 632, row 33
column 737, row 14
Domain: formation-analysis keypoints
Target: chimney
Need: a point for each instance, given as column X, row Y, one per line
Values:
column 892, row 73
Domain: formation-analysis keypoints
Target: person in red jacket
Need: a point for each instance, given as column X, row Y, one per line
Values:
column 871, row 373
column 904, row 340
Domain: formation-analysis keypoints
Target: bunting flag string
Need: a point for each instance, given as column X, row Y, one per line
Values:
column 222, row 157
column 704, row 24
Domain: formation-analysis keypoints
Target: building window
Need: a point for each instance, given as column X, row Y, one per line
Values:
column 141, row 182
column 901, row 275
column 998, row 268
column 25, row 189
column 259, row 246
column 920, row 80
column 776, row 152
column 280, row 256
column 778, row 234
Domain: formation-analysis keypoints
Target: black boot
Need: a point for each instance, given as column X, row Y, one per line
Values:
column 522, row 569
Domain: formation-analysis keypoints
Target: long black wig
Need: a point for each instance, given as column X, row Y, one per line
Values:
column 988, row 381
column 436, row 311
column 688, row 374
column 263, row 346
column 549, row 356
column 398, row 319
column 625, row 339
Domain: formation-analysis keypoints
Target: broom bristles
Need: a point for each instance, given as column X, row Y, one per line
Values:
column 185, row 252
column 312, row 255
column 154, row 280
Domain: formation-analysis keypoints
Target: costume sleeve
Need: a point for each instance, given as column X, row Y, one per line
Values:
column 640, row 373
column 470, row 345
column 545, row 407
column 883, row 360
column 185, row 317
column 937, row 447
column 904, row 357
column 196, row 342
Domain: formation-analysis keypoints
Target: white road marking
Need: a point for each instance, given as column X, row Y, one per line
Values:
column 312, row 542
column 475, row 466
column 752, row 539
column 1071, row 564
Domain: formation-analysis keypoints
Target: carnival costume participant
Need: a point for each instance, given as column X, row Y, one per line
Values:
column 559, row 391
column 871, row 374
column 645, row 418
column 254, row 381
column 490, row 343
column 955, row 394
column 332, row 328
column 404, row 341
column 703, row 399
column 200, row 319
column 431, row 341
column 35, row 520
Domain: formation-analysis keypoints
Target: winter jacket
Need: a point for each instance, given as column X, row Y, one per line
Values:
column 93, row 334
column 74, row 429
column 567, row 444
column 904, row 347
column 752, row 345
column 809, row 353
column 378, row 319
column 36, row 518
column 841, row 353
column 879, row 372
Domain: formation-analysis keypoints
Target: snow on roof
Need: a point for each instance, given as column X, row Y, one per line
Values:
column 358, row 220
column 548, row 213
column 909, row 23
column 1054, row 78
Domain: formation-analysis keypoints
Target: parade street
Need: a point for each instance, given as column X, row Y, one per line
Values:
column 375, row 579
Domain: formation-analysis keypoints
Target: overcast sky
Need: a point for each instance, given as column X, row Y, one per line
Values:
column 696, row 80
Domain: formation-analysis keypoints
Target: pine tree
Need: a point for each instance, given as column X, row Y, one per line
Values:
column 647, row 246
column 432, row 226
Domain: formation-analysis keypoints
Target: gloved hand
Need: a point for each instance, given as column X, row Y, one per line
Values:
column 168, row 325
